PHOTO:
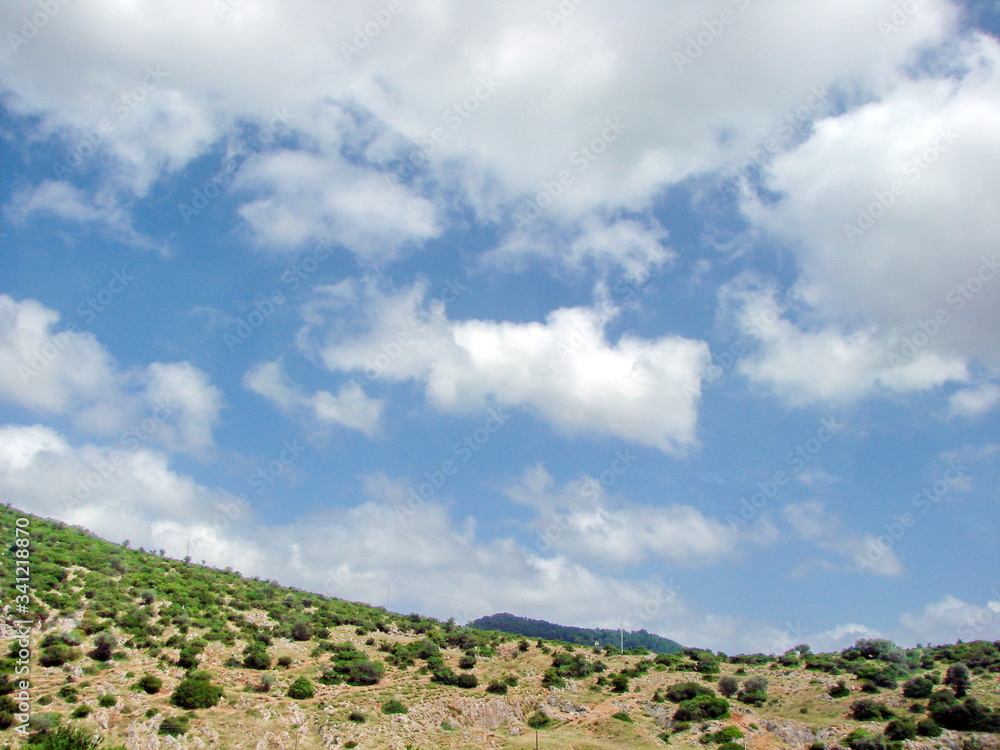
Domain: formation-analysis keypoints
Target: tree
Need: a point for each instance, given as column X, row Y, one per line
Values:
column 365, row 673
column 196, row 691
column 918, row 687
column 901, row 729
column 301, row 689
column 728, row 686
column 959, row 679
column 256, row 657
column 149, row 684
column 702, row 708
column 104, row 646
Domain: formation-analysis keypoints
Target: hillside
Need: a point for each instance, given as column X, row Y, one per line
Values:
column 508, row 623
column 149, row 652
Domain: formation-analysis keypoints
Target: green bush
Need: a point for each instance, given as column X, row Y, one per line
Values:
column 364, row 672
column 196, row 691
column 685, row 691
column 301, row 689
column 496, row 687
column 538, row 720
column 63, row 738
column 840, row 690
column 918, row 687
column 928, row 728
column 394, row 706
column 255, row 657
column 175, row 726
column 81, row 712
column 107, row 701
column 702, row 708
column 149, row 683
column 467, row 681
column 901, row 729
column 622, row 716
column 357, row 717
column 866, row 709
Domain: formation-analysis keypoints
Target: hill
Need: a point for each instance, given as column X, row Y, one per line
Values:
column 635, row 639
column 118, row 647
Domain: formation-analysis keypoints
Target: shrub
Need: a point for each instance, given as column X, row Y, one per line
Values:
column 622, row 716
column 149, row 684
column 196, row 691
column 866, row 709
column 862, row 739
column 467, row 681
column 468, row 661
column 81, row 712
column 302, row 630
column 702, row 708
column 918, row 687
column 285, row 661
column 685, row 691
column 901, row 729
column 256, row 657
column 44, row 722
column 840, row 690
column 357, row 717
column 58, row 654
column 107, row 701
column 496, row 687
column 619, row 683
column 301, row 689
column 175, row 725
column 364, row 673
column 959, row 678
column 928, row 728
column 728, row 686
column 754, row 691
column 394, row 706
column 63, row 738
column 104, row 646
column 538, row 720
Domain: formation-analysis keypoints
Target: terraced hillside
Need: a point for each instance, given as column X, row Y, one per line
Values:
column 127, row 648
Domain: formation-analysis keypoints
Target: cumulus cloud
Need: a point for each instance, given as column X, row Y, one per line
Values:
column 974, row 402
column 66, row 371
column 811, row 521
column 516, row 120
column 351, row 407
column 824, row 363
column 565, row 370
column 583, row 522
column 860, row 203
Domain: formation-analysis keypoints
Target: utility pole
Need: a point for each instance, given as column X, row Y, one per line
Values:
column 621, row 633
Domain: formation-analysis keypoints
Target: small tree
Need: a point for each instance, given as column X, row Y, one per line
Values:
column 728, row 686
column 301, row 689
column 394, row 706
column 104, row 646
column 959, row 679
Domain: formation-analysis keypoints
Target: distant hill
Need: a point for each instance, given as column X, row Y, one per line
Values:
column 508, row 623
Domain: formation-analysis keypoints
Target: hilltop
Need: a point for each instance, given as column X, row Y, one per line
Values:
column 633, row 639
column 148, row 652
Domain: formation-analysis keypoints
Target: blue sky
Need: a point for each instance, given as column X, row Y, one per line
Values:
column 686, row 315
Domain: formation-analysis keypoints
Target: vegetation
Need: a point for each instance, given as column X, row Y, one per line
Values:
column 152, row 627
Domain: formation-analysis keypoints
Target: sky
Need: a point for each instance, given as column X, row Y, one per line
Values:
column 679, row 316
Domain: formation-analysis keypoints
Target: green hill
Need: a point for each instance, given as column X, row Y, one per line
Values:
column 117, row 647
column 634, row 639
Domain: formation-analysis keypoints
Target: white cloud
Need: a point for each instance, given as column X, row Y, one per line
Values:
column 351, row 407
column 68, row 202
column 860, row 204
column 632, row 247
column 67, row 371
column 186, row 76
column 824, row 363
column 581, row 521
column 311, row 196
column 950, row 619
column 117, row 492
column 865, row 552
column 974, row 402
column 564, row 370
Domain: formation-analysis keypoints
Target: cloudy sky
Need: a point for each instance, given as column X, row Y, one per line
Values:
column 685, row 313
